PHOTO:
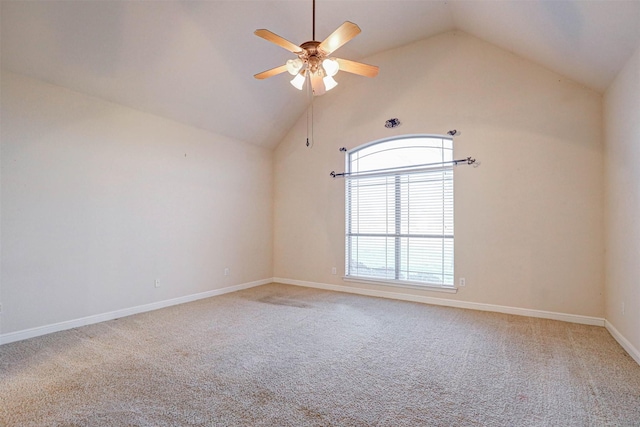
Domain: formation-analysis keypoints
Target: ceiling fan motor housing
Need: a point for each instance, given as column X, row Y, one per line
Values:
column 312, row 55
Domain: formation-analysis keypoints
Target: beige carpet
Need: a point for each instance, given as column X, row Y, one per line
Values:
column 280, row 355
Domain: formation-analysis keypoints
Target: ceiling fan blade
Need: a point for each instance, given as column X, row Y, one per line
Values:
column 282, row 42
column 357, row 68
column 271, row 72
column 343, row 34
column 317, row 85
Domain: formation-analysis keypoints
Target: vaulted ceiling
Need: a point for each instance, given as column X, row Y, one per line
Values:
column 193, row 61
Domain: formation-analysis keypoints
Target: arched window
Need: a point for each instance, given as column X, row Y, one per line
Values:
column 399, row 211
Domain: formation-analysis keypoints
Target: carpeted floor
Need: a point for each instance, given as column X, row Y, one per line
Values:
column 281, row 355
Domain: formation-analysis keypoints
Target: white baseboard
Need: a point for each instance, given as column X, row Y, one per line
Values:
column 573, row 318
column 629, row 348
column 89, row 320
column 75, row 323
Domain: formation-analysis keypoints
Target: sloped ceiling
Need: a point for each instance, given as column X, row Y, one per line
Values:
column 193, row 61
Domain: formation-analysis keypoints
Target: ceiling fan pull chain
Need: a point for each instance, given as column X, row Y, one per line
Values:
column 310, row 115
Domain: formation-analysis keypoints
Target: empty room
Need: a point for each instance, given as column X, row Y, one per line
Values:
column 320, row 213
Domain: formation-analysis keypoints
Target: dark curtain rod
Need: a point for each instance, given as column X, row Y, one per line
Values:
column 467, row 161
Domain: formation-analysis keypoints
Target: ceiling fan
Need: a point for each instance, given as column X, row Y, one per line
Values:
column 314, row 62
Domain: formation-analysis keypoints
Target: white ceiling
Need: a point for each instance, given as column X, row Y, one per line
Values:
column 193, row 61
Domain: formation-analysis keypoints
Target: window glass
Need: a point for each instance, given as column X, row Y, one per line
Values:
column 399, row 211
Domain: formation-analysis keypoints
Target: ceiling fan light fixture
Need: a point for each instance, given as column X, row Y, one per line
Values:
column 294, row 66
column 298, row 81
column 313, row 62
column 330, row 66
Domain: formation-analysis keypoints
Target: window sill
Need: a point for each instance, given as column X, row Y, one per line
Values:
column 399, row 284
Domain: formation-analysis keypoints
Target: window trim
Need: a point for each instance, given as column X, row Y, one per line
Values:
column 402, row 284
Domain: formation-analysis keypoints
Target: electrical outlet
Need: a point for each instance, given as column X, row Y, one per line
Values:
column 157, row 283
column 334, row 270
column 226, row 271
column 462, row 282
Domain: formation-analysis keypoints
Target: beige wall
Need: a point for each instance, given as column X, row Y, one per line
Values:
column 529, row 219
column 99, row 200
column 622, row 207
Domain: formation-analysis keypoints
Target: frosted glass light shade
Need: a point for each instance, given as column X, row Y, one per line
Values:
column 330, row 66
column 294, row 66
column 329, row 82
column 298, row 81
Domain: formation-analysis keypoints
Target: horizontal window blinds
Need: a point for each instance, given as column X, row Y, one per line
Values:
column 400, row 226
